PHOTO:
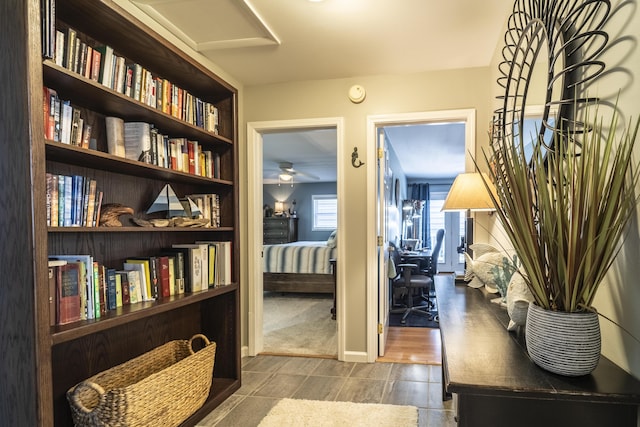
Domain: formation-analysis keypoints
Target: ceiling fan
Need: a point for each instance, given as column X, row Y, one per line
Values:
column 287, row 172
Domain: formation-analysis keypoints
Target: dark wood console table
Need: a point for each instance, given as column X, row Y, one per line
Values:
column 496, row 384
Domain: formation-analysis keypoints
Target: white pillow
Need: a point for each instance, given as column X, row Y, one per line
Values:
column 333, row 239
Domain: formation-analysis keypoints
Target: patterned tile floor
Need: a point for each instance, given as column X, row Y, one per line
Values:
column 265, row 379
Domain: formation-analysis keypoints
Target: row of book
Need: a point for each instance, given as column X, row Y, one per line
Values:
column 209, row 205
column 143, row 142
column 101, row 64
column 72, row 201
column 63, row 122
column 81, row 288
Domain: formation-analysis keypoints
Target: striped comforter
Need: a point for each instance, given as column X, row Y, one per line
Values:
column 298, row 257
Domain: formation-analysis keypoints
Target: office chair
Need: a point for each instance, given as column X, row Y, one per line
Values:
column 407, row 279
column 431, row 271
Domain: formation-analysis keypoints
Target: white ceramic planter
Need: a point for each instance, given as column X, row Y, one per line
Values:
column 563, row 343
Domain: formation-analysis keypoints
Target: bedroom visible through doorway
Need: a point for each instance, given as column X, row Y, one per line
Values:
column 293, row 311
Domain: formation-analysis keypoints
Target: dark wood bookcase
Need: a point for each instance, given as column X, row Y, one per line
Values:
column 40, row 368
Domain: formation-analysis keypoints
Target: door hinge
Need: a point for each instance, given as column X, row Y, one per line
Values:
column 380, row 153
column 379, row 241
column 379, row 328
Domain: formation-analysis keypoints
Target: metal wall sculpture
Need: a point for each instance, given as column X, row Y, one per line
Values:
column 566, row 38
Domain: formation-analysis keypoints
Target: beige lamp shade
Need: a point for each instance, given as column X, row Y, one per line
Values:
column 279, row 207
column 468, row 191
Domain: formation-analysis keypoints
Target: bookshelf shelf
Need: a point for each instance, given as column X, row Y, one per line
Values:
column 125, row 315
column 99, row 98
column 94, row 159
column 125, row 229
column 64, row 355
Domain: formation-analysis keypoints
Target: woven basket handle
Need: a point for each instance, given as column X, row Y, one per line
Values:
column 204, row 338
column 85, row 384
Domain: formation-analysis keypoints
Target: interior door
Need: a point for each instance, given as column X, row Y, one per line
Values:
column 384, row 194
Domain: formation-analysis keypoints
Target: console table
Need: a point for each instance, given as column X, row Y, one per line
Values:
column 494, row 383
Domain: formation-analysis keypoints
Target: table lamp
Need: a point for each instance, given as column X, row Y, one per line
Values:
column 469, row 193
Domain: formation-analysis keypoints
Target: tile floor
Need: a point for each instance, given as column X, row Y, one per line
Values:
column 265, row 379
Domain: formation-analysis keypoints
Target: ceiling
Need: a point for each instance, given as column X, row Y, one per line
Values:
column 270, row 41
column 431, row 150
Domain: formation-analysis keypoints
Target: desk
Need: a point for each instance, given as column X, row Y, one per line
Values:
column 421, row 258
column 496, row 384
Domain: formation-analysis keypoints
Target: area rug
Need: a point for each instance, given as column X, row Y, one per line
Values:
column 414, row 320
column 299, row 324
column 316, row 413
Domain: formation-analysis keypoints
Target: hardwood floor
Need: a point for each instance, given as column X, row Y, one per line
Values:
column 415, row 345
column 412, row 345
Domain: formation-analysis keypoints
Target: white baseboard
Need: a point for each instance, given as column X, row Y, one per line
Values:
column 355, row 356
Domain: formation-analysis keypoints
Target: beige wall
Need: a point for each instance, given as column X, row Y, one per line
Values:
column 619, row 296
column 454, row 89
column 471, row 88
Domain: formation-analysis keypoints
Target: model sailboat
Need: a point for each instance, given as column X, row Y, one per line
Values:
column 167, row 201
column 180, row 213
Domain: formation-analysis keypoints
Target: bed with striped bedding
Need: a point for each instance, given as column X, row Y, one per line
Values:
column 299, row 267
column 298, row 257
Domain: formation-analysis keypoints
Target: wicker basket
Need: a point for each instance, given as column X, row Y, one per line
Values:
column 164, row 386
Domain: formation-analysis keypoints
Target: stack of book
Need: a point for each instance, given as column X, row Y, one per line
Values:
column 101, row 64
column 141, row 141
column 72, row 201
column 209, row 205
column 63, row 122
column 81, row 288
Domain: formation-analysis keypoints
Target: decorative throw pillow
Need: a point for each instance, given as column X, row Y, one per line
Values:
column 333, row 239
column 518, row 299
column 490, row 268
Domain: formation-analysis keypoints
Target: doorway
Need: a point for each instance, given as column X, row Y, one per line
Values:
column 377, row 318
column 256, row 131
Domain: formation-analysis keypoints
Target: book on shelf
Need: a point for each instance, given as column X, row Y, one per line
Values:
column 59, row 48
column 68, row 286
column 134, row 294
column 119, row 299
column 48, row 19
column 70, row 49
column 111, row 292
column 72, row 200
column 185, row 269
column 137, row 141
column 53, row 278
column 102, row 287
column 222, row 262
column 105, row 76
column 85, row 265
column 115, row 136
column 171, row 269
column 125, row 287
column 198, row 264
column 96, row 61
column 66, row 117
column 142, row 266
column 164, row 283
column 97, row 292
column 209, row 205
column 179, row 274
column 49, row 101
column 68, row 199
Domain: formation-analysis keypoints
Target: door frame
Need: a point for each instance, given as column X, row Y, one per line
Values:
column 468, row 116
column 255, row 130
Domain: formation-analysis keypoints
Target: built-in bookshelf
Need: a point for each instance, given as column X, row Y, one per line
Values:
column 80, row 349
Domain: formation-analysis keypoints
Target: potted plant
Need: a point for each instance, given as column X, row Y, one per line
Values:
column 565, row 211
